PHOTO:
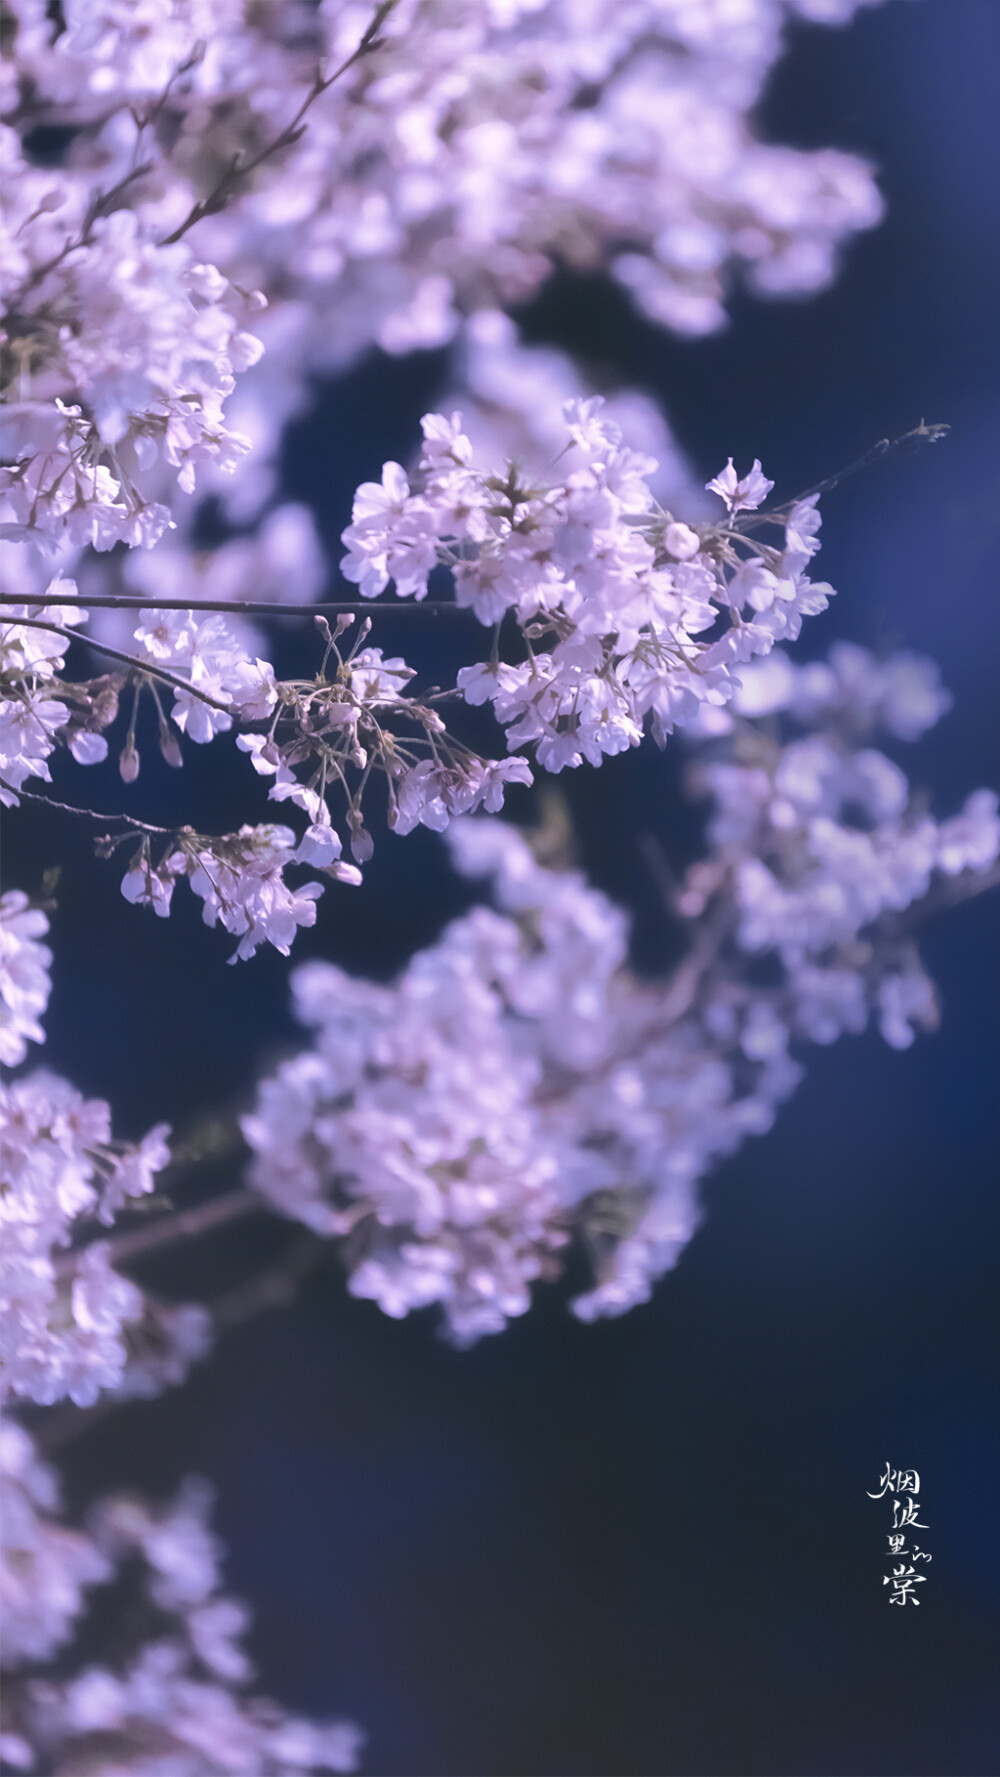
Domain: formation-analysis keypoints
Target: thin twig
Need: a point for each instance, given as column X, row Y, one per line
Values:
column 274, row 1287
column 216, row 1213
column 147, row 667
column 904, row 445
column 219, row 197
column 655, row 859
column 264, row 608
column 98, row 208
column 91, row 814
column 680, row 995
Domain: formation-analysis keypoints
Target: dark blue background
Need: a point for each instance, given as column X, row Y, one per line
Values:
column 646, row 1546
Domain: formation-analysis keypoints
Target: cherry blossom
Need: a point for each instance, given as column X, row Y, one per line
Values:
column 631, row 600
column 31, row 654
column 741, row 494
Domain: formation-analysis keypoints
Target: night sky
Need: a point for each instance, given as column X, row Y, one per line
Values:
column 645, row 1546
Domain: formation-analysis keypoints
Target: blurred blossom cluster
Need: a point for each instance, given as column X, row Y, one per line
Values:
column 207, row 207
column 180, row 1704
column 520, row 1087
column 446, row 170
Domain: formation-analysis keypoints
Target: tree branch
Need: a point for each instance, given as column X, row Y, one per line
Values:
column 147, row 667
column 945, row 893
column 100, row 205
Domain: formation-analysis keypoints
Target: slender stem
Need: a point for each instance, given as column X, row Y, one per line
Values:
column 264, row 608
column 147, row 667
column 946, row 892
column 680, row 995
column 100, row 204
column 655, row 859
column 274, row 1286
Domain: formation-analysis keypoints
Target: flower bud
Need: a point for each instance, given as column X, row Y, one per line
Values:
column 681, row 541
column 128, row 763
column 170, row 748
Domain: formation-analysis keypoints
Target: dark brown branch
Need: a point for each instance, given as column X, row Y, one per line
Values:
column 146, row 667
column 243, row 607
column 90, row 814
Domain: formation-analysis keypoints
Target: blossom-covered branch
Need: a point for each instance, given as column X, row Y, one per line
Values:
column 606, row 613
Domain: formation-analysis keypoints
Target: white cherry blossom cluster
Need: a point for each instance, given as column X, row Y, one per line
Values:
column 204, row 661
column 63, row 1318
column 359, row 721
column 206, row 206
column 517, row 1087
column 608, row 615
column 513, row 402
column 363, row 719
column 71, row 1327
column 623, row 612
column 204, row 652
column 179, row 1702
column 239, row 877
column 490, row 141
column 352, row 724
column 33, row 710
column 644, row 616
column 281, row 561
column 216, row 161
